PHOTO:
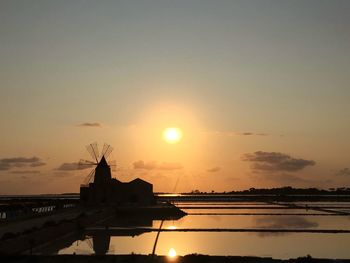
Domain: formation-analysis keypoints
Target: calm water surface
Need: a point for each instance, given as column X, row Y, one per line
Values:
column 272, row 244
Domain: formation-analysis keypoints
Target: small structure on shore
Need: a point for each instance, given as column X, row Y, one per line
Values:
column 103, row 189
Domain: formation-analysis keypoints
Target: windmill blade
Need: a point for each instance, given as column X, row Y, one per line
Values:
column 113, row 165
column 93, row 151
column 86, row 162
column 105, row 146
column 106, row 151
column 89, row 179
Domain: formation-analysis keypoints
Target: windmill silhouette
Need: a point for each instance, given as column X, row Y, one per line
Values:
column 98, row 162
column 100, row 188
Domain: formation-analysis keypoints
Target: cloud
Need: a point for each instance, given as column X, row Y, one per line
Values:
column 214, row 169
column 251, row 133
column 72, row 167
column 36, row 164
column 90, row 124
column 26, row 172
column 146, row 166
column 343, row 172
column 275, row 162
column 262, row 134
column 8, row 163
column 4, row 166
column 246, row 133
column 233, row 133
column 155, row 166
column 62, row 173
column 283, row 222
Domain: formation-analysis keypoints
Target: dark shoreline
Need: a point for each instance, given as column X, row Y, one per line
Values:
column 149, row 258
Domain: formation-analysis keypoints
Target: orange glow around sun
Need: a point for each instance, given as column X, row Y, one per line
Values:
column 172, row 135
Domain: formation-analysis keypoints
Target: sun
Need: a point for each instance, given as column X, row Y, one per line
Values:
column 172, row 253
column 172, row 135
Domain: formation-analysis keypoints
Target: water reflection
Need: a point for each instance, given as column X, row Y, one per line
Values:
column 101, row 243
column 259, row 221
column 112, row 238
column 172, row 253
column 98, row 238
column 282, row 222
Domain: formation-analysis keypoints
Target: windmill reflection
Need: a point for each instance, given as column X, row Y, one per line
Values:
column 101, row 243
column 101, row 235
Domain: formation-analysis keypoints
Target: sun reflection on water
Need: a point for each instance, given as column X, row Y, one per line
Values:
column 172, row 253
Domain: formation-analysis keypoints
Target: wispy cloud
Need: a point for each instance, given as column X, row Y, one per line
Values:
column 276, row 162
column 16, row 162
column 214, row 169
column 36, row 164
column 343, row 172
column 281, row 222
column 234, row 133
column 90, row 124
column 156, row 166
column 72, row 167
column 251, row 133
column 144, row 165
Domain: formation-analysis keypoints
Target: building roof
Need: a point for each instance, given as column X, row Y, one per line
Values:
column 138, row 181
column 116, row 181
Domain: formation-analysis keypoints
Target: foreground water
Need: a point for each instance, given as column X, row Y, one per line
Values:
column 211, row 222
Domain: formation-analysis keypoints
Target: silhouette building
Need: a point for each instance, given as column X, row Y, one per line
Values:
column 107, row 190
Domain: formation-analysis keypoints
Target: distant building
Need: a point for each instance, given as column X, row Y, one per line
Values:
column 107, row 190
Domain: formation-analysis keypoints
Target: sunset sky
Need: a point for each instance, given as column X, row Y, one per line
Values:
column 259, row 89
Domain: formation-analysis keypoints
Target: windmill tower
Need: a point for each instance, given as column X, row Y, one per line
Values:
column 101, row 172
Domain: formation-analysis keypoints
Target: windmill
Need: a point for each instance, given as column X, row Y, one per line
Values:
column 98, row 159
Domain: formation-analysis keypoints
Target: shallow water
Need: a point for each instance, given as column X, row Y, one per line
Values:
column 271, row 244
column 252, row 211
column 240, row 244
column 259, row 221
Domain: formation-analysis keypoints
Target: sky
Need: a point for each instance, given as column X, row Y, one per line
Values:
column 259, row 89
